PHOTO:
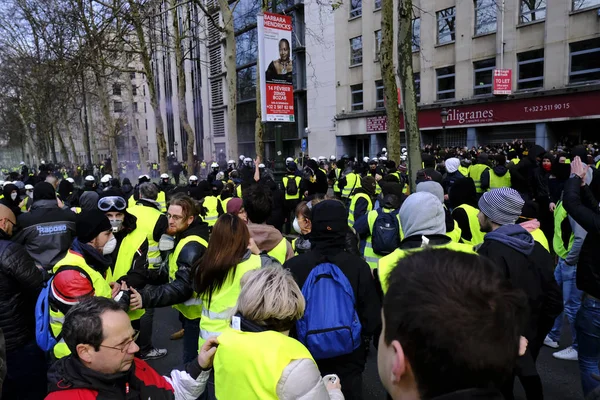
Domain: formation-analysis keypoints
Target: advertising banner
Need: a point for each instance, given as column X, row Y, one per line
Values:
column 502, row 81
column 275, row 62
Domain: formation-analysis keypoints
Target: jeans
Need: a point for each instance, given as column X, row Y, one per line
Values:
column 145, row 339
column 26, row 374
column 565, row 278
column 190, row 338
column 587, row 325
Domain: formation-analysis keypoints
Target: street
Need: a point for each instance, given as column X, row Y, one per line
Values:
column 560, row 378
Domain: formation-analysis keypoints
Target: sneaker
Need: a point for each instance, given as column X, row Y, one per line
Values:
column 179, row 334
column 567, row 354
column 550, row 343
column 154, row 354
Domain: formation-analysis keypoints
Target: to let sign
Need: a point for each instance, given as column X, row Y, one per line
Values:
column 502, row 81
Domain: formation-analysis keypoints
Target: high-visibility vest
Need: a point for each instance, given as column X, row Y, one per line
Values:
column 191, row 308
column 336, row 186
column 598, row 164
column 280, row 251
column 464, row 170
column 325, row 172
column 224, row 203
column 154, row 166
column 238, row 191
column 352, row 183
column 253, row 362
column 476, row 234
column 475, row 173
column 351, row 218
column 212, row 214
column 285, row 181
column 540, row 237
column 515, row 160
column 558, row 241
column 129, row 246
column 216, row 316
column 101, row 289
column 389, row 262
column 147, row 218
column 497, row 182
column 397, row 175
column 371, row 257
column 130, row 202
column 455, row 233
column 162, row 201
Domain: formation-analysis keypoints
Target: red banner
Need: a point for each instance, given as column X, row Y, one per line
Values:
column 547, row 108
column 280, row 102
column 502, row 81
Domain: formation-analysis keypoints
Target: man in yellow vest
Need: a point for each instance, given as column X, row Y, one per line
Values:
column 363, row 201
column 349, row 182
column 191, row 240
column 476, row 170
column 497, row 177
column 293, row 193
column 463, row 202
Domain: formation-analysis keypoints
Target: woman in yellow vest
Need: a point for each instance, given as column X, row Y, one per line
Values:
column 303, row 225
column 256, row 358
column 463, row 202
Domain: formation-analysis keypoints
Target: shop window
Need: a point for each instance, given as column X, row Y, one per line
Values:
column 446, row 25
column 357, row 97
column 530, row 69
column 379, row 99
column 445, row 83
column 485, row 16
column 585, row 61
column 533, row 10
column 356, row 52
column 482, row 76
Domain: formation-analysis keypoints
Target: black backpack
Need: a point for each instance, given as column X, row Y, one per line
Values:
column 386, row 233
column 292, row 186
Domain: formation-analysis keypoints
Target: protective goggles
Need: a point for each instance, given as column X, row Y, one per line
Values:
column 112, row 203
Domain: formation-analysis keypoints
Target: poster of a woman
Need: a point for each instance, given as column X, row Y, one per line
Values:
column 280, row 70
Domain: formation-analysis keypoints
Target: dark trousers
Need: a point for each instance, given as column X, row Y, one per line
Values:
column 26, row 374
column 289, row 211
column 349, row 368
column 190, row 338
column 144, row 325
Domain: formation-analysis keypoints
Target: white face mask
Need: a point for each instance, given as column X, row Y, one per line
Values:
column 297, row 226
column 117, row 225
column 110, row 246
column 30, row 194
column 13, row 196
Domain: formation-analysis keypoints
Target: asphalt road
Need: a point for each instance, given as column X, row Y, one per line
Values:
column 560, row 378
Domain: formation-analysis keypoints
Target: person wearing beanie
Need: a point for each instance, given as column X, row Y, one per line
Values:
column 428, row 173
column 127, row 189
column 235, row 206
column 46, row 231
column 452, row 229
column 81, row 273
column 528, row 266
column 452, row 174
column 329, row 226
column 363, row 199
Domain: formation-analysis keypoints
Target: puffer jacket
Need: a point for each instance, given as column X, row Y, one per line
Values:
column 46, row 232
column 20, row 282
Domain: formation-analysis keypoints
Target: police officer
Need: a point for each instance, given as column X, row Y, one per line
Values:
column 214, row 171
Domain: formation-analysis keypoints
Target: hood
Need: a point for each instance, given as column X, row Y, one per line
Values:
column 530, row 225
column 44, row 204
column 452, row 164
column 92, row 257
column 197, row 228
column 432, row 187
column 463, row 192
column 422, row 214
column 500, row 170
column 267, row 237
column 65, row 188
column 513, row 236
column 392, row 194
column 89, row 201
column 6, row 191
column 535, row 152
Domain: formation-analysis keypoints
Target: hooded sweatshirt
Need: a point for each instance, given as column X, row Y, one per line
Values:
column 514, row 236
column 422, row 214
column 8, row 201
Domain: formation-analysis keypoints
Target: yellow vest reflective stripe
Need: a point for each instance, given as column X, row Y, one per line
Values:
column 162, row 201
column 560, row 215
column 464, row 171
column 191, row 308
column 389, row 262
column 147, row 217
column 497, row 182
column 336, row 186
column 285, row 181
column 280, row 251
column 352, row 183
column 325, row 172
column 215, row 318
column 475, row 173
column 355, row 198
column 101, row 289
column 476, row 234
column 540, row 237
column 371, row 257
column 253, row 362
column 212, row 215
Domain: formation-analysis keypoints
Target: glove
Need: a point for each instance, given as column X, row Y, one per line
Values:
column 166, row 243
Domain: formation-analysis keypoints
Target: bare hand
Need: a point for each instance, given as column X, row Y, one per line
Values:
column 378, row 177
column 552, row 207
column 253, row 247
column 332, row 382
column 523, row 342
column 207, row 353
column 578, row 168
column 257, row 160
column 116, row 288
column 135, row 300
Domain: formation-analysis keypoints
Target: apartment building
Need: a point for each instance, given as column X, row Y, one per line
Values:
column 552, row 48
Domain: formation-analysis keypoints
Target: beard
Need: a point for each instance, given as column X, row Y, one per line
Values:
column 172, row 231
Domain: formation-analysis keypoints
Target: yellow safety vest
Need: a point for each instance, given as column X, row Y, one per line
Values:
column 212, row 215
column 476, row 234
column 238, row 191
column 101, row 289
column 280, row 251
column 464, row 171
column 285, row 181
column 515, row 160
column 130, row 202
column 540, row 237
column 352, row 183
column 371, row 257
column 598, row 164
column 497, row 182
column 397, row 175
column 215, row 318
column 336, row 186
column 154, row 166
column 389, row 262
column 561, row 249
column 351, row 218
column 250, row 364
column 224, row 203
column 162, row 201
column 475, row 173
column 147, row 217
column 325, row 172
column 455, row 233
column 191, row 308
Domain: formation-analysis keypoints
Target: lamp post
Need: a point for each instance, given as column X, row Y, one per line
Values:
column 176, row 156
column 444, row 116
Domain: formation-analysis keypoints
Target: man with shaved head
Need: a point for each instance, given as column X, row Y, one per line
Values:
column 20, row 282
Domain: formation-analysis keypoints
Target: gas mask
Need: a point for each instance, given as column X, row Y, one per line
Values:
column 110, row 246
column 117, row 225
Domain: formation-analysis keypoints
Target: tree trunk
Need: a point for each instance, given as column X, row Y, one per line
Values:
column 63, row 149
column 388, row 75
column 72, row 143
column 409, row 97
column 231, row 78
column 111, row 124
column 95, row 157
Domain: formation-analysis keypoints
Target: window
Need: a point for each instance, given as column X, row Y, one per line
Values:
column 145, row 110
column 582, row 4
column 355, row 8
column 417, row 80
column 116, row 89
column 146, row 123
column 585, row 61
column 446, row 20
column 531, row 69
column 416, row 34
column 118, row 106
column 485, row 16
column 137, row 123
column 379, row 102
column 132, row 75
column 357, row 97
column 246, row 83
column 377, row 5
column 482, row 76
column 533, row 10
column 445, row 83
column 246, row 47
column 134, row 90
column 356, row 50
column 135, row 107
column 377, row 44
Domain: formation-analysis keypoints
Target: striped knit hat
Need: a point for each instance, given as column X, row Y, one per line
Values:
column 503, row 206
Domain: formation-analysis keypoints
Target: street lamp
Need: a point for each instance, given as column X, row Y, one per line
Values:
column 176, row 156
column 444, row 115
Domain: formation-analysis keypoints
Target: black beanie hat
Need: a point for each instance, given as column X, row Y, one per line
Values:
column 44, row 191
column 329, row 216
column 90, row 224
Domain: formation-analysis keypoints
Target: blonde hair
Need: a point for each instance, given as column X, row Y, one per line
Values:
column 271, row 298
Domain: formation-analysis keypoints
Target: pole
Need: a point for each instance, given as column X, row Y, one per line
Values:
column 279, row 163
column 85, row 116
column 502, row 35
column 444, row 136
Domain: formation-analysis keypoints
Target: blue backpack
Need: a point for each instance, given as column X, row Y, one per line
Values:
column 330, row 325
column 385, row 237
column 43, row 334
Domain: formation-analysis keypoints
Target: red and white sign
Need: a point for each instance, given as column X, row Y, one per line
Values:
column 502, row 81
column 561, row 107
column 276, row 67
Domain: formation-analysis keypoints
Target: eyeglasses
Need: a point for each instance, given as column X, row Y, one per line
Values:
column 127, row 345
column 175, row 217
column 107, row 203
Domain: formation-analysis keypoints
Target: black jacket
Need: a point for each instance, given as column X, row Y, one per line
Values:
column 181, row 288
column 46, row 231
column 137, row 276
column 20, row 282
